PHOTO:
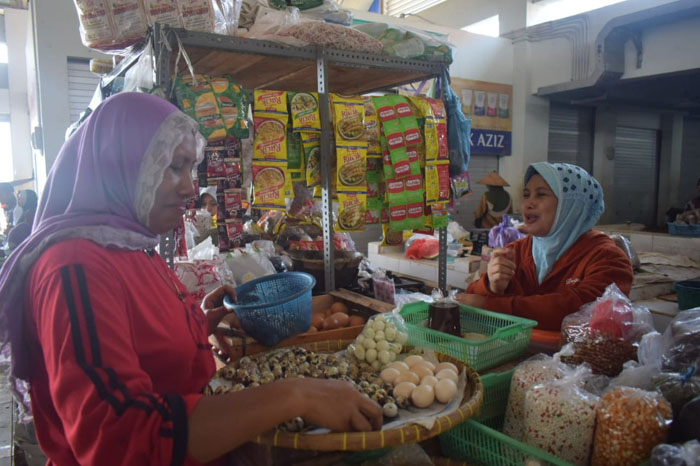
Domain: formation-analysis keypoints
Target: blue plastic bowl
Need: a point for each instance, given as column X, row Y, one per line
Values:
column 274, row 307
column 688, row 293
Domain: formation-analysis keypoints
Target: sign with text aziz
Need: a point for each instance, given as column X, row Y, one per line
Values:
column 489, row 105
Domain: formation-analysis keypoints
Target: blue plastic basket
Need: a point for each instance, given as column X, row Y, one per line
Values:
column 274, row 307
column 683, row 230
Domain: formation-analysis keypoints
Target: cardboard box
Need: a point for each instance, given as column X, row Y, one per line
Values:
column 356, row 303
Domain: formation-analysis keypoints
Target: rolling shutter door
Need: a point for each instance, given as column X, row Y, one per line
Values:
column 479, row 167
column 81, row 86
column 636, row 173
column 571, row 135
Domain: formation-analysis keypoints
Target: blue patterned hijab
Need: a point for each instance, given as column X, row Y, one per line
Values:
column 579, row 208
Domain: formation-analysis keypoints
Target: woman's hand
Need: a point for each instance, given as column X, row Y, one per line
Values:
column 336, row 405
column 501, row 269
column 473, row 300
column 213, row 307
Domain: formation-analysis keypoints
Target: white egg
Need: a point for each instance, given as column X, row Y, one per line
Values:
column 390, row 410
column 429, row 380
column 371, row 355
column 400, row 365
column 384, row 357
column 390, row 334
column 360, row 352
column 369, row 343
column 423, row 396
column 402, row 337
column 414, row 359
column 395, row 347
column 389, row 374
column 380, row 318
column 360, row 338
column 447, row 374
column 379, row 325
column 404, row 390
column 446, row 365
column 427, row 364
column 392, row 356
column 407, row 376
column 421, row 371
column 368, row 332
column 445, row 390
column 379, row 335
column 376, row 365
column 383, row 345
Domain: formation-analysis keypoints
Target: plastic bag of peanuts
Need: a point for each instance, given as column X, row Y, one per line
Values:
column 630, row 423
column 536, row 370
column 606, row 333
column 560, row 417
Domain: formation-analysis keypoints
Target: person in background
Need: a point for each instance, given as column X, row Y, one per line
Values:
column 495, row 202
column 114, row 348
column 27, row 201
column 694, row 203
column 562, row 263
column 8, row 202
column 207, row 200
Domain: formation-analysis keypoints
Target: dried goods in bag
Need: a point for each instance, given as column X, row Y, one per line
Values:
column 197, row 15
column 681, row 351
column 295, row 157
column 304, row 109
column 352, row 167
column 371, row 125
column 560, row 417
column 270, row 181
column 630, row 423
column 311, row 145
column 348, row 118
column 270, row 136
column 233, row 105
column 111, row 25
column 332, row 36
column 351, row 211
column 195, row 96
column 163, row 12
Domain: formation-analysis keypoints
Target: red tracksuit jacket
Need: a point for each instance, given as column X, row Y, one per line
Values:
column 118, row 361
column 579, row 276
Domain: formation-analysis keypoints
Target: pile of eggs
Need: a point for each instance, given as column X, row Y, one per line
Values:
column 421, row 382
column 379, row 343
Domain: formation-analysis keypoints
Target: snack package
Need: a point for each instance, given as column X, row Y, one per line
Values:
column 373, row 214
column 606, row 332
column 687, row 454
column 630, row 423
column 677, row 389
column 111, row 25
column 560, row 417
column 373, row 180
column 440, row 217
column 270, row 184
column 304, row 109
column 371, row 127
column 234, row 174
column 270, row 101
column 388, row 168
column 233, row 204
column 215, row 155
column 351, row 211
column 397, row 204
column 196, row 98
column 348, row 118
column 197, row 15
column 233, row 105
column 413, row 186
column 163, row 12
column 295, row 157
column 352, row 167
column 443, row 172
column 270, row 136
column 311, row 144
column 681, row 346
column 534, row 371
column 391, row 237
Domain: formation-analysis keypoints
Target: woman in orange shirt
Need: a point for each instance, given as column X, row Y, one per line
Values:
column 562, row 263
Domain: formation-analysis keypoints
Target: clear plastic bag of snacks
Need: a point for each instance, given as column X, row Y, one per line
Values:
column 536, row 370
column 682, row 342
column 606, row 332
column 630, row 423
column 560, row 417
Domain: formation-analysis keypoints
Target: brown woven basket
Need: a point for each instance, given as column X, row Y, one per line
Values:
column 358, row 441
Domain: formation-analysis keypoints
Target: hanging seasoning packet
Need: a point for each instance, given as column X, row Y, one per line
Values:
column 352, row 167
column 371, row 127
column 351, row 211
column 373, row 184
column 432, row 185
column 311, row 145
column 397, row 148
column 270, row 136
column 196, row 98
column 349, row 118
column 388, row 168
column 295, row 157
column 414, row 202
column 440, row 217
column 270, row 181
column 270, row 101
column 374, row 211
column 233, row 105
column 397, row 204
column 443, row 182
column 304, row 109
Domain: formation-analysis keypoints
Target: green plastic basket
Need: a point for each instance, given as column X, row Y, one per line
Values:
column 508, row 336
column 479, row 441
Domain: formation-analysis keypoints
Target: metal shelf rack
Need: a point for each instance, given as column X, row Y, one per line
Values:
column 257, row 64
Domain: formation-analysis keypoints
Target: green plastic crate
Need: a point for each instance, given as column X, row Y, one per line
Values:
column 479, row 441
column 508, row 336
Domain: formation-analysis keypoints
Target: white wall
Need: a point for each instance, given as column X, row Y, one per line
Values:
column 16, row 33
column 56, row 39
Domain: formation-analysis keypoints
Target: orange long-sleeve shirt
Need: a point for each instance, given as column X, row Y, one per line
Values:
column 578, row 277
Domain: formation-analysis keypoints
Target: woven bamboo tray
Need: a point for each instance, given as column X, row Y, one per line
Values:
column 358, row 441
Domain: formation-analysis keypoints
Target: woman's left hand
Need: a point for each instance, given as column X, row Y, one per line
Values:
column 213, row 307
column 473, row 300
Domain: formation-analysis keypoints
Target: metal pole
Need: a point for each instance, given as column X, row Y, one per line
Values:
column 442, row 258
column 326, row 156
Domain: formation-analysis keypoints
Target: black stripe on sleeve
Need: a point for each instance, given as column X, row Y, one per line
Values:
column 177, row 406
column 89, row 316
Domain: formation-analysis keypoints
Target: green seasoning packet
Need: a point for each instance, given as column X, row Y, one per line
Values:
column 440, row 217
column 199, row 103
column 397, row 204
column 311, row 144
column 414, row 202
column 233, row 104
column 388, row 168
column 373, row 178
column 295, row 157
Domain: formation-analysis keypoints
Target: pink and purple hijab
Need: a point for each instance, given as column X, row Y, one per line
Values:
column 102, row 188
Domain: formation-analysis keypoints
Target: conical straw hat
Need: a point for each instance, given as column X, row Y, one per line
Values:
column 493, row 179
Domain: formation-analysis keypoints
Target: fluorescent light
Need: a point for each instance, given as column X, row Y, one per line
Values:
column 485, row 27
column 408, row 7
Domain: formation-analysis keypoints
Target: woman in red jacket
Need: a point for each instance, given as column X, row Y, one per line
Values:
column 113, row 347
column 562, row 263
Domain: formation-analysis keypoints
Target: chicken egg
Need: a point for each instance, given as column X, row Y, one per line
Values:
column 425, row 364
column 447, row 374
column 389, row 374
column 423, row 396
column 411, row 360
column 400, row 365
column 445, row 390
column 429, row 380
column 421, row 371
column 446, row 365
column 407, row 376
column 404, row 390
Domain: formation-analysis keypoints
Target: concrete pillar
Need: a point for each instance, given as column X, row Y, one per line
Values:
column 530, row 125
column 604, row 158
column 670, row 160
